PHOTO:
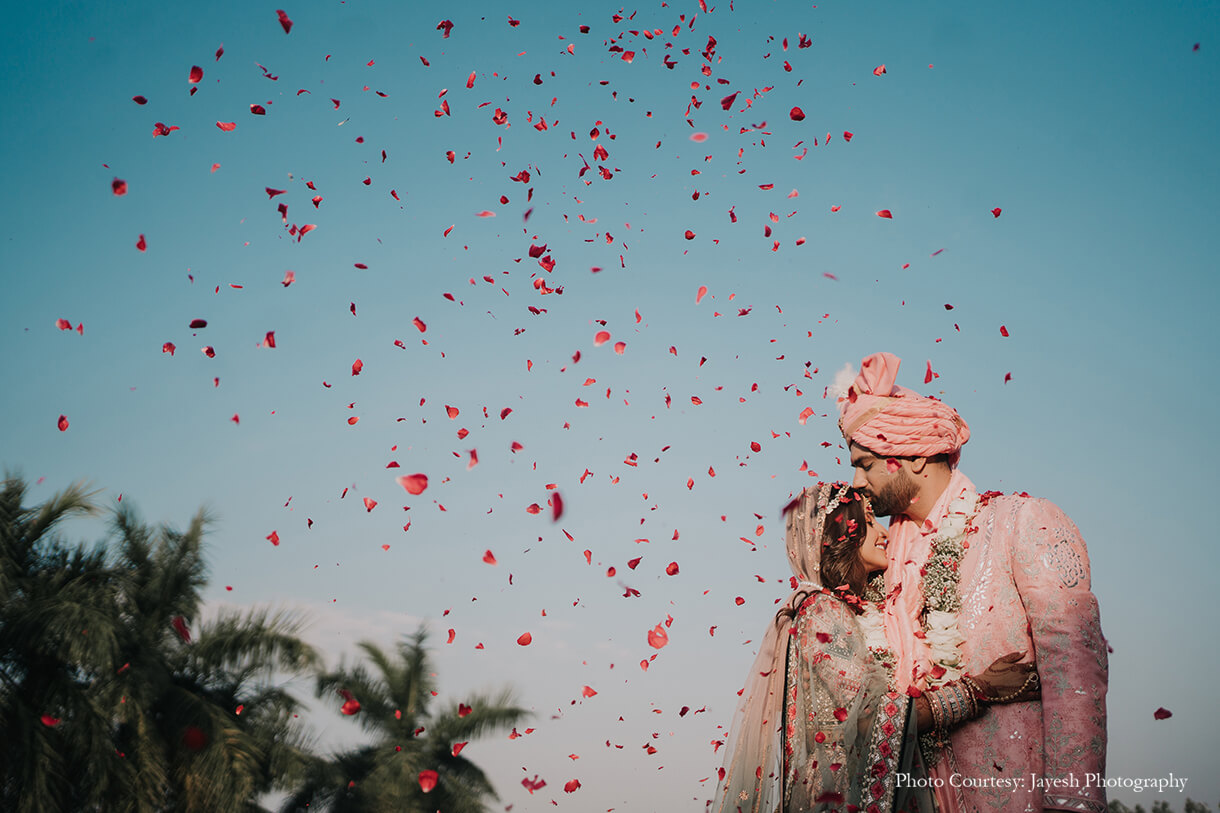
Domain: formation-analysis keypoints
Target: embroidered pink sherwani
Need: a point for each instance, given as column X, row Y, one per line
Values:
column 1025, row 588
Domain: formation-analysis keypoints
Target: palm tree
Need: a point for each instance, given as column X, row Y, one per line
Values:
column 58, row 634
column 391, row 703
column 107, row 701
column 199, row 715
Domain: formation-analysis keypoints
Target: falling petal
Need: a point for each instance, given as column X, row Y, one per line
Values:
column 413, row 483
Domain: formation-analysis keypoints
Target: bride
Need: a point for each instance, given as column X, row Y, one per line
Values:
column 820, row 726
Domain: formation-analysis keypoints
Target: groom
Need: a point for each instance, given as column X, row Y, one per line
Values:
column 1023, row 584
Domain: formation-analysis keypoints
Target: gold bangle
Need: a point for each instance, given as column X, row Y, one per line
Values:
column 975, row 689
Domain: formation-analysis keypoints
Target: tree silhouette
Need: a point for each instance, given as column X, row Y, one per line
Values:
column 409, row 739
column 107, row 700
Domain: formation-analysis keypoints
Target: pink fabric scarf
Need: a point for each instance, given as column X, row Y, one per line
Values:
column 908, row 549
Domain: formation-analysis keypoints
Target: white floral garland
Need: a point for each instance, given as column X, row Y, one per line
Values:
column 941, row 599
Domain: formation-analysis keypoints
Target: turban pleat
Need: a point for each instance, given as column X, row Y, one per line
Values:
column 895, row 421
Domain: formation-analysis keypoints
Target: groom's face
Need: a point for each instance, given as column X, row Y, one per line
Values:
column 886, row 481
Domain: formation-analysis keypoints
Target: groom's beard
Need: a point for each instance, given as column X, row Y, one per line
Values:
column 896, row 497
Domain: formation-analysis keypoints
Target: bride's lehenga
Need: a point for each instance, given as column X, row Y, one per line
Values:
column 847, row 736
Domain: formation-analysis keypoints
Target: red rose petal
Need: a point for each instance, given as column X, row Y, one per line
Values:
column 196, row 74
column 284, row 21
column 880, row 69
column 489, row 558
column 194, row 738
column 1162, row 714
column 996, row 211
column 413, row 483
column 62, row 423
column 796, row 114
column 885, row 213
column 571, row 786
column 524, row 639
column 658, row 637
column 427, row 780
column 227, row 126
column 119, row 187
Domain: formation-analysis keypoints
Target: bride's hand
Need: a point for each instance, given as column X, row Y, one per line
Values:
column 1008, row 680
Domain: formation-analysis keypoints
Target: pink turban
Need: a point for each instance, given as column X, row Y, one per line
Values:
column 895, row 421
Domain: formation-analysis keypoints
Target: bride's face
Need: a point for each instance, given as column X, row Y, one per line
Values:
column 872, row 549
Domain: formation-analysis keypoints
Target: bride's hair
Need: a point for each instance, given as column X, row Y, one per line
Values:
column 843, row 531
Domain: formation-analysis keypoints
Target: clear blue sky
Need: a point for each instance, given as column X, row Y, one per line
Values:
column 1092, row 126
